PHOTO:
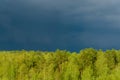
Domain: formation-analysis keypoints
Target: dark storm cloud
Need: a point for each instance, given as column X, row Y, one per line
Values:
column 51, row 24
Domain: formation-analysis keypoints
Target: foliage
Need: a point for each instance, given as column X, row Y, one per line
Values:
column 88, row 64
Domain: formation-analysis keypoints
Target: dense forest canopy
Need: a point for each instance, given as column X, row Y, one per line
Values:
column 88, row 64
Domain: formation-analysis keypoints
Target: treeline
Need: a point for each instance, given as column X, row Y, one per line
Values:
column 88, row 64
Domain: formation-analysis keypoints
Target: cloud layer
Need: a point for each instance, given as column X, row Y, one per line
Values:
column 52, row 24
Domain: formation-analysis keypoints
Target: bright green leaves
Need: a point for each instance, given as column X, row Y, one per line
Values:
column 111, row 56
column 101, row 66
column 87, row 57
column 72, row 69
column 87, row 74
column 89, row 64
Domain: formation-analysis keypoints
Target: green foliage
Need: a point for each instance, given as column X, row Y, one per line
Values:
column 87, row 73
column 101, row 66
column 88, row 64
column 111, row 58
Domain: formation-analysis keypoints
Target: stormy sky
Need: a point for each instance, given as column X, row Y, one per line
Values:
column 59, row 24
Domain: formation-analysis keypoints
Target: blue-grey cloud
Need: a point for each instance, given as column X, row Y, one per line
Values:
column 51, row 24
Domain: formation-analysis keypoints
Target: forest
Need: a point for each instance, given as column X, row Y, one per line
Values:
column 88, row 64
